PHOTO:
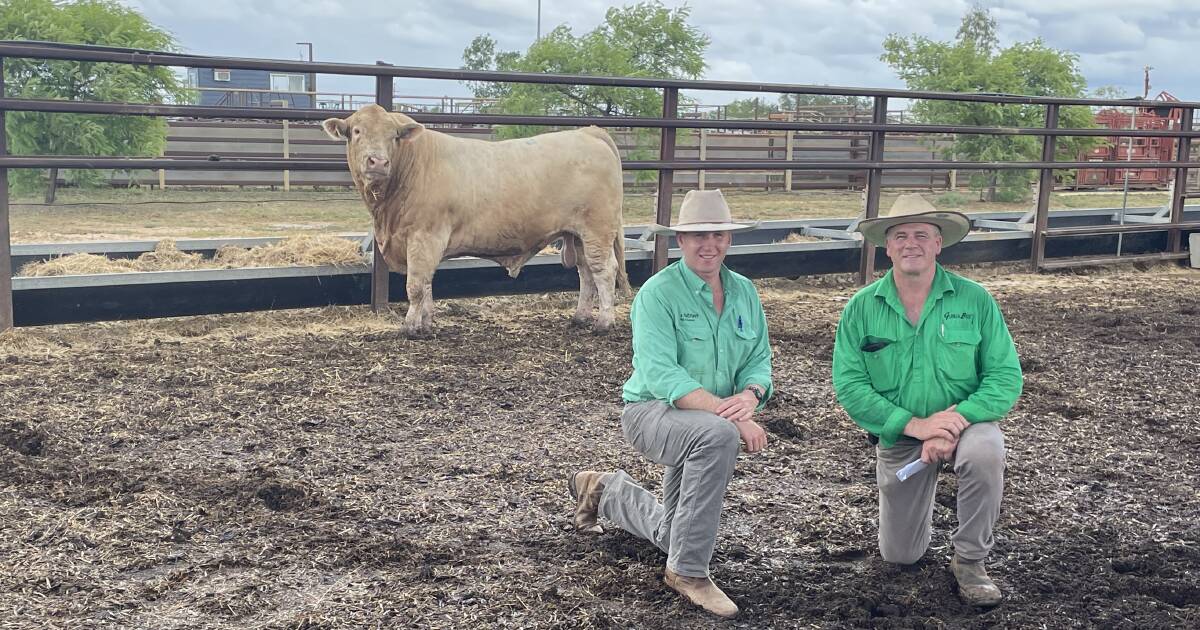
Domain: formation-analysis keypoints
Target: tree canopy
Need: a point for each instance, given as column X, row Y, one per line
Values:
column 641, row 40
column 102, row 22
column 974, row 62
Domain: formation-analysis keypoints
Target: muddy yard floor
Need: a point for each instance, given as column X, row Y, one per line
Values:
column 315, row 469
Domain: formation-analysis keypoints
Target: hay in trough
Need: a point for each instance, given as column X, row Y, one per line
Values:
column 298, row 251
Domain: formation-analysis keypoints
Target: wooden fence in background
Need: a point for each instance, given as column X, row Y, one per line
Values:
column 190, row 138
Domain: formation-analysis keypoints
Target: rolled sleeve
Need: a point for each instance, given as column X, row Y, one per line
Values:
column 655, row 353
column 757, row 369
column 852, row 385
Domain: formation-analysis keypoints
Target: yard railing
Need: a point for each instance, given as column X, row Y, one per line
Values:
column 666, row 165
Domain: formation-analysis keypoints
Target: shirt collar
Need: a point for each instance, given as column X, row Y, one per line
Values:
column 696, row 284
column 886, row 287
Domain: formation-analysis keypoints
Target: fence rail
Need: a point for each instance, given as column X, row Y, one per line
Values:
column 669, row 123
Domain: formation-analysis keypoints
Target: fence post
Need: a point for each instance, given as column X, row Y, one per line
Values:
column 379, row 267
column 1183, row 153
column 666, row 178
column 791, row 145
column 287, row 174
column 6, row 295
column 703, row 154
column 866, row 265
column 1045, row 185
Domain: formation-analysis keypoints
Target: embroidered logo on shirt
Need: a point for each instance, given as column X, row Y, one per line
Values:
column 689, row 317
column 961, row 316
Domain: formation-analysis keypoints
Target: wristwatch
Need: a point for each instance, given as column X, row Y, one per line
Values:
column 757, row 391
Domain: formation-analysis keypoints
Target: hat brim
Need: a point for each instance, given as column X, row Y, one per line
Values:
column 703, row 227
column 953, row 225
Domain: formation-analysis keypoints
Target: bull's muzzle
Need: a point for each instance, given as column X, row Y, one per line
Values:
column 376, row 168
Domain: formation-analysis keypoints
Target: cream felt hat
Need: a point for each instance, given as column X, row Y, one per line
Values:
column 704, row 211
column 915, row 209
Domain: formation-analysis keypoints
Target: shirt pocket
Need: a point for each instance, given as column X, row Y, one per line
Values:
column 883, row 366
column 957, row 352
column 695, row 349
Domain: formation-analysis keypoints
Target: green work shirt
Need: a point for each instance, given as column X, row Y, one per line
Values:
column 887, row 371
column 681, row 344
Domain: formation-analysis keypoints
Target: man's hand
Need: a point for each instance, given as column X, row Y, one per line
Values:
column 753, row 435
column 947, row 425
column 738, row 407
column 936, row 450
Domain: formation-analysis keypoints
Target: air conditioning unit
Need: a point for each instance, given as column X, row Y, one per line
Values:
column 221, row 75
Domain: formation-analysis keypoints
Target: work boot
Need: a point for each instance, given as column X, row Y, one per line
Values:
column 585, row 487
column 701, row 592
column 974, row 585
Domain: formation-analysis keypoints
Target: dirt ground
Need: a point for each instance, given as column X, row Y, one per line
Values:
column 314, row 469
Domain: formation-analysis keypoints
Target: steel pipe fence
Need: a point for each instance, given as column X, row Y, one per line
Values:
column 668, row 123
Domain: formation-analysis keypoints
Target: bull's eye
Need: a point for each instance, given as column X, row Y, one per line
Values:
column 357, row 131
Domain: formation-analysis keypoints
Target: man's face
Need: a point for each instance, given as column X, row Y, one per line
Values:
column 703, row 252
column 913, row 247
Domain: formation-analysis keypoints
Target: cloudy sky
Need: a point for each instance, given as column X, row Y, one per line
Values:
column 832, row 42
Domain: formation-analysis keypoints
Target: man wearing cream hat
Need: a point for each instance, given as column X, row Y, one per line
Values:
column 924, row 362
column 701, row 369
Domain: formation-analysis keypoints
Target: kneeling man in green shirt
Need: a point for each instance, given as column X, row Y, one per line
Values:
column 701, row 368
column 924, row 362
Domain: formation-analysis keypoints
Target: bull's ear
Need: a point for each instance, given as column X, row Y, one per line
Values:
column 410, row 131
column 336, row 128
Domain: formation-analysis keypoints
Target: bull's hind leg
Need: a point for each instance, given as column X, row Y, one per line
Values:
column 587, row 292
column 602, row 263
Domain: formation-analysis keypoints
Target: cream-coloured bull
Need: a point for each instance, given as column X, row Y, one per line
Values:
column 434, row 196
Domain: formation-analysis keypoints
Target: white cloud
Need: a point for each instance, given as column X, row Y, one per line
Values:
column 834, row 42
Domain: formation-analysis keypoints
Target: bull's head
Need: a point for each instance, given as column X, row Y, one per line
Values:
column 374, row 141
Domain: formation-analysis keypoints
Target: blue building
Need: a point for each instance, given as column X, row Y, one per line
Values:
column 251, row 88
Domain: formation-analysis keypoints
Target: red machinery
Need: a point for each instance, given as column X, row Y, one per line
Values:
column 1141, row 149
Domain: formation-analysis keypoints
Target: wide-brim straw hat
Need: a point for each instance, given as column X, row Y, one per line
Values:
column 915, row 209
column 704, row 211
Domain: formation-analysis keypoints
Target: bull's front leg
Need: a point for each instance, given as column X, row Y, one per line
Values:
column 424, row 254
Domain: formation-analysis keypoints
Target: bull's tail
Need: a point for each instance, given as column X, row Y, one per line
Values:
column 622, row 276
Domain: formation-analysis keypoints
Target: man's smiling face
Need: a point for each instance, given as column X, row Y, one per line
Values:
column 703, row 252
column 913, row 247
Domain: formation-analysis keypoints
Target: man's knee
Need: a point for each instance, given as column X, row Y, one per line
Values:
column 981, row 450
column 719, row 436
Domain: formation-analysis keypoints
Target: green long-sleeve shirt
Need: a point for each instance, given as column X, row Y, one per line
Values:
column 887, row 371
column 681, row 344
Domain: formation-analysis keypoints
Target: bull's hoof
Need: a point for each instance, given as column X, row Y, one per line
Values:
column 579, row 322
column 601, row 330
column 417, row 333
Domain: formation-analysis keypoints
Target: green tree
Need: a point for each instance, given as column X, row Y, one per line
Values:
column 796, row 102
column 641, row 40
column 749, row 108
column 974, row 62
column 83, row 22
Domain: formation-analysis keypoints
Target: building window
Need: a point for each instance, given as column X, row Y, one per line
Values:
column 221, row 75
column 287, row 82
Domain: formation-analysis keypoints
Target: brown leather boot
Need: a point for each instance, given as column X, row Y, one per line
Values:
column 974, row 585
column 702, row 592
column 585, row 487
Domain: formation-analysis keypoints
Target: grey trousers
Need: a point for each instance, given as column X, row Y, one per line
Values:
column 906, row 508
column 699, row 450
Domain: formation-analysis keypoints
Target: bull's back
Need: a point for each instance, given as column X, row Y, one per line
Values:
column 541, row 183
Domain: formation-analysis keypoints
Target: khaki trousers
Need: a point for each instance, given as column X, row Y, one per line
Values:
column 699, row 450
column 906, row 508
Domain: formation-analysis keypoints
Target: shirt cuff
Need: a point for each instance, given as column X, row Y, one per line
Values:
column 893, row 428
column 971, row 411
column 682, row 389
